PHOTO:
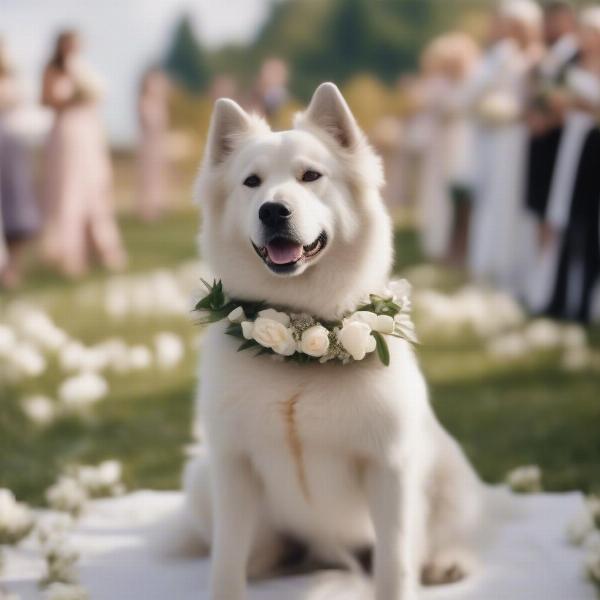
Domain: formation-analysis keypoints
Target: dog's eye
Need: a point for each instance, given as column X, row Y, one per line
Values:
column 252, row 181
column 309, row 176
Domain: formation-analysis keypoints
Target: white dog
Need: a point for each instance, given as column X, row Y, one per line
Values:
column 343, row 458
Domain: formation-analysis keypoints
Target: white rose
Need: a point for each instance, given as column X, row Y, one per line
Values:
column 384, row 324
column 315, row 341
column 356, row 339
column 247, row 329
column 237, row 315
column 273, row 334
column 364, row 316
column 275, row 315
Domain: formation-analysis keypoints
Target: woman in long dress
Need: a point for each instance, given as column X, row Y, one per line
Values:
column 19, row 211
column 498, row 94
column 573, row 242
column 153, row 111
column 434, row 209
column 78, row 176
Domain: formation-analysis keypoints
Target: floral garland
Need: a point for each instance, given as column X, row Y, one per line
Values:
column 301, row 338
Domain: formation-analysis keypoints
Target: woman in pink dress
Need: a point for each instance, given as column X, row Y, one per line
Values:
column 153, row 113
column 80, row 218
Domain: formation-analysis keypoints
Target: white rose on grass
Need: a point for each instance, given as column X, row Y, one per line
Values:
column 315, row 341
column 82, row 390
column 16, row 520
column 169, row 349
column 8, row 339
column 237, row 315
column 275, row 315
column 356, row 339
column 525, row 480
column 28, row 360
column 140, row 358
column 103, row 480
column 67, row 495
column 39, row 409
column 274, row 334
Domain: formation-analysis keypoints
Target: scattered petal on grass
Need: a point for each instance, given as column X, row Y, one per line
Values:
column 83, row 390
column 27, row 360
column 525, row 480
column 67, row 495
column 16, row 519
column 39, row 409
column 169, row 350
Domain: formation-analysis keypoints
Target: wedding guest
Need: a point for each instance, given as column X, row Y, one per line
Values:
column 271, row 91
column 80, row 218
column 153, row 111
column 19, row 210
column 573, row 216
column 460, row 61
column 498, row 93
column 560, row 28
column 434, row 209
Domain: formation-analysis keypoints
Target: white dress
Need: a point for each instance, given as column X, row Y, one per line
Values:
column 498, row 95
column 434, row 204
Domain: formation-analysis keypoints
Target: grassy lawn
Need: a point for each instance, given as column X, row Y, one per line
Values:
column 504, row 416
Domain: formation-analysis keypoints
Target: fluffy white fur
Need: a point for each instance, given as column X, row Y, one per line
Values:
column 342, row 458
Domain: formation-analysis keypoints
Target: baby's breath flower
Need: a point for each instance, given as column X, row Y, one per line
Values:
column 103, row 480
column 67, row 495
column 16, row 520
column 61, row 560
column 525, row 480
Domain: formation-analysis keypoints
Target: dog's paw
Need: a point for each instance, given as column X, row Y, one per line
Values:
column 449, row 569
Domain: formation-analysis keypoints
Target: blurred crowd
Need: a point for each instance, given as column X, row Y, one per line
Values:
column 508, row 145
column 498, row 145
column 71, row 212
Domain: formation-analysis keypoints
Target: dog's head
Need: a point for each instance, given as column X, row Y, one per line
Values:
column 293, row 213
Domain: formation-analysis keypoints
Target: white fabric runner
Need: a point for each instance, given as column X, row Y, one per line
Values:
column 528, row 560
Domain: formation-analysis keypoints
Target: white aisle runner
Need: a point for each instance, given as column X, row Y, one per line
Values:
column 528, row 560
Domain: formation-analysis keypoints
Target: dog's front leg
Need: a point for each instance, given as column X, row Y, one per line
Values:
column 396, row 505
column 235, row 501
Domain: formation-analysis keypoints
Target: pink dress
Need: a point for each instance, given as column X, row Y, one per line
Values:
column 152, row 156
column 78, row 188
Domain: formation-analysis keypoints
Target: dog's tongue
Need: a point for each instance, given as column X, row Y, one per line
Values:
column 282, row 253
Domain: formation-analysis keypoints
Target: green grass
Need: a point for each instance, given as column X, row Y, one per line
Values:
column 504, row 416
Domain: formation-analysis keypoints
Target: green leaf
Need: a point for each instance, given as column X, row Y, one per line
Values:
column 382, row 348
column 247, row 344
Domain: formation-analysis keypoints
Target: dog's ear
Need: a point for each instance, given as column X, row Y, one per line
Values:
column 329, row 111
column 228, row 121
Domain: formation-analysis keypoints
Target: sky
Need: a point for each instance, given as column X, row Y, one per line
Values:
column 122, row 37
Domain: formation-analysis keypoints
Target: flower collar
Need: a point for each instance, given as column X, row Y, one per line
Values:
column 302, row 338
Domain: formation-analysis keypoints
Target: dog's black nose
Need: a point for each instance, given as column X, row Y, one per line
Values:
column 273, row 214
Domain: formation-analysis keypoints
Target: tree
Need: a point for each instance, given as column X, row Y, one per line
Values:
column 185, row 61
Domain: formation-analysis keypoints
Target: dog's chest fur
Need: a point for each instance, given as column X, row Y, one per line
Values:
column 308, row 429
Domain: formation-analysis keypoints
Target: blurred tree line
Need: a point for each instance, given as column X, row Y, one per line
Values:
column 322, row 40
